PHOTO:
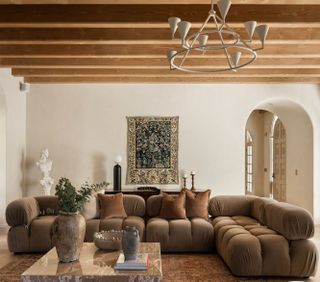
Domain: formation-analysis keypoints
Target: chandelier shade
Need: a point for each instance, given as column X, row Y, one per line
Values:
column 216, row 39
column 173, row 22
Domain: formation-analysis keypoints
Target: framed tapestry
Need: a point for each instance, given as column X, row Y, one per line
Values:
column 153, row 150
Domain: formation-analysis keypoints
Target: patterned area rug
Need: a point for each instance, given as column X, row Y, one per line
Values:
column 176, row 267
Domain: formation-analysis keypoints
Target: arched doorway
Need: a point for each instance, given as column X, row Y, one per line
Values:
column 285, row 150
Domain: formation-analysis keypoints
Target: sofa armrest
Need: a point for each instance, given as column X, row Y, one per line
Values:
column 22, row 211
column 292, row 222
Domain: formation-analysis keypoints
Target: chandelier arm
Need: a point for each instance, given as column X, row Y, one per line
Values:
column 222, row 42
column 193, row 41
column 250, row 61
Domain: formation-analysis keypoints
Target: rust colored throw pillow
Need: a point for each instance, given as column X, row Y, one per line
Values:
column 111, row 206
column 173, row 207
column 197, row 204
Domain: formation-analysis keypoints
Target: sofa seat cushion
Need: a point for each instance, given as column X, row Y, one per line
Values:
column 249, row 248
column 119, row 224
column 41, row 233
column 181, row 235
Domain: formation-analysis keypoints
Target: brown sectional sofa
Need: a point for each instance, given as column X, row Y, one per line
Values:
column 254, row 236
column 262, row 237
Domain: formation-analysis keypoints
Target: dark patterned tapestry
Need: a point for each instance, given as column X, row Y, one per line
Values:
column 153, row 150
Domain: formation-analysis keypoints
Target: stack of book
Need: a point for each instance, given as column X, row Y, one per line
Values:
column 139, row 264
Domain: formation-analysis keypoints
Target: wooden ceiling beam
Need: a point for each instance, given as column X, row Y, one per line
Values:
column 150, row 63
column 145, row 51
column 75, row 15
column 155, row 2
column 115, row 79
column 135, row 35
column 163, row 73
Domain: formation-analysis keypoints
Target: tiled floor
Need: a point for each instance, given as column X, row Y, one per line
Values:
column 6, row 257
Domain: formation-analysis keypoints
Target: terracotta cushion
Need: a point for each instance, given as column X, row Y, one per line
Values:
column 112, row 206
column 197, row 204
column 173, row 207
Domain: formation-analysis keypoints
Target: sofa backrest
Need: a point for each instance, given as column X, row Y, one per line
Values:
column 154, row 205
column 258, row 208
column 134, row 205
column 230, row 205
column 48, row 204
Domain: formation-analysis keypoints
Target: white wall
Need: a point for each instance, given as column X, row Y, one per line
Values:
column 13, row 133
column 84, row 127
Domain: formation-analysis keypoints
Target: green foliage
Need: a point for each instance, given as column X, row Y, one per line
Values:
column 70, row 199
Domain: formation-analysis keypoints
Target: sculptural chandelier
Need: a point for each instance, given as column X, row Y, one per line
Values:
column 215, row 39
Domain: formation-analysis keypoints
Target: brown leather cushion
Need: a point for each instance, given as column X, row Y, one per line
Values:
column 173, row 206
column 111, row 206
column 197, row 204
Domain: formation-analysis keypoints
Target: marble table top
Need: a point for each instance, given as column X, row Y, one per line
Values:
column 93, row 265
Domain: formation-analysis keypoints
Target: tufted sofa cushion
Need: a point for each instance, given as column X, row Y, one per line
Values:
column 177, row 235
column 181, row 235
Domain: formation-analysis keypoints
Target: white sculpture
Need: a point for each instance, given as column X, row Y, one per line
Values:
column 45, row 165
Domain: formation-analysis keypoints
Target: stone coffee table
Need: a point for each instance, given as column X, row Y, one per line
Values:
column 94, row 265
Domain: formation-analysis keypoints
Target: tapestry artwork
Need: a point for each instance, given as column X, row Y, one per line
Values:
column 153, row 150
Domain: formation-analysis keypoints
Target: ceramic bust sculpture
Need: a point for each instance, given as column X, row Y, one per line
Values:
column 45, row 165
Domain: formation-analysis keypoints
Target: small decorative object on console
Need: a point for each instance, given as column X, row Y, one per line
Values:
column 184, row 177
column 108, row 240
column 192, row 180
column 117, row 174
column 130, row 242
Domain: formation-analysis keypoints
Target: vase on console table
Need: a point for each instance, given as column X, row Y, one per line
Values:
column 117, row 174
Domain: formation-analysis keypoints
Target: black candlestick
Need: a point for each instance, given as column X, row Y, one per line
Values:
column 117, row 177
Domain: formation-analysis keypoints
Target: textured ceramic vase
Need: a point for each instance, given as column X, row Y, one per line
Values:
column 130, row 242
column 68, row 235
